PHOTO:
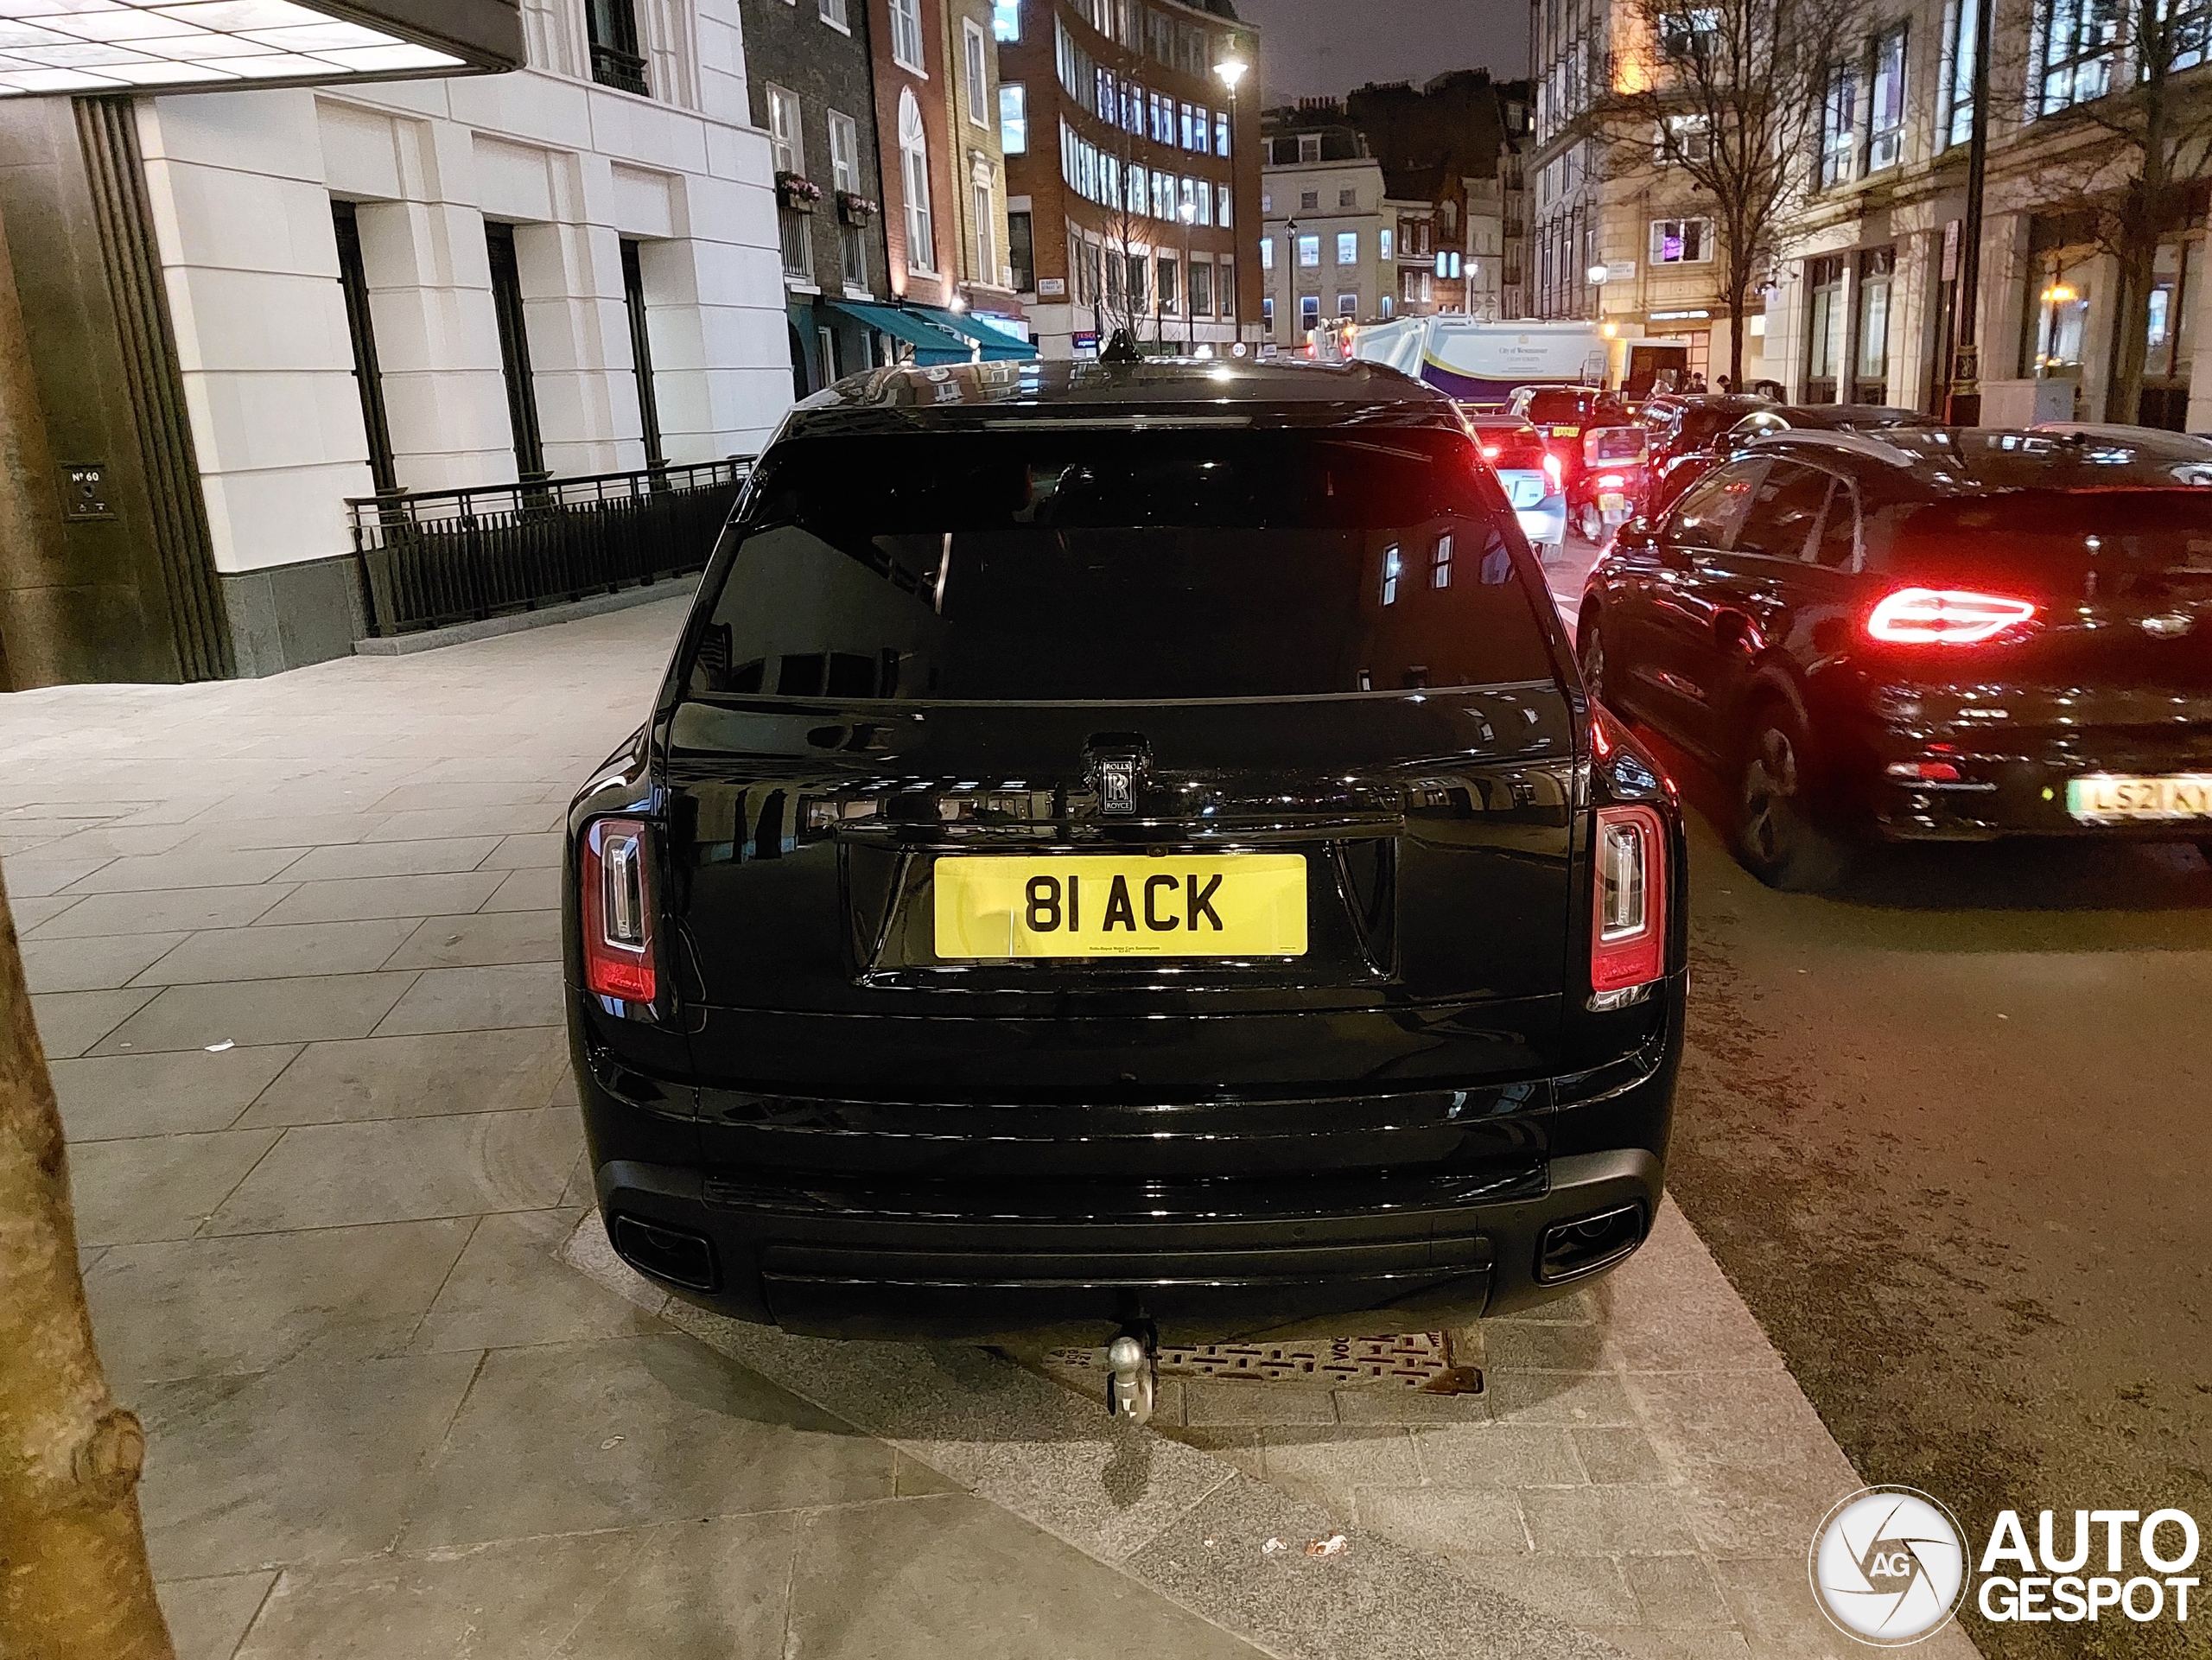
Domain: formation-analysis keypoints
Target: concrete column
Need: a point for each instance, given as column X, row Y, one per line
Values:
column 242, row 217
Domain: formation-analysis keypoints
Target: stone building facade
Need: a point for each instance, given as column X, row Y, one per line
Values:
column 1134, row 172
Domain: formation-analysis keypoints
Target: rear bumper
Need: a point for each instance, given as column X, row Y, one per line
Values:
column 2014, row 783
column 1442, row 1260
column 1074, row 1260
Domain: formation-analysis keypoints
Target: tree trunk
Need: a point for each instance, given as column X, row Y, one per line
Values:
column 1739, row 285
column 2137, row 259
column 74, row 1584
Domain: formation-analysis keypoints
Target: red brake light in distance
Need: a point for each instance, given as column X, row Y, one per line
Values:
column 1610, row 481
column 615, row 896
column 1490, row 452
column 1628, row 932
column 1553, row 474
column 1945, row 616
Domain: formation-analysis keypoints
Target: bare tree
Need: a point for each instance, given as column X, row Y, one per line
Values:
column 1728, row 95
column 2144, row 149
column 73, row 1579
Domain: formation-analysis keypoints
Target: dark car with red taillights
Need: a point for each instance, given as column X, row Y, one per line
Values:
column 1923, row 633
column 1121, row 849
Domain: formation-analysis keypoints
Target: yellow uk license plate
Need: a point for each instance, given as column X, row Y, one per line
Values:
column 2108, row 797
column 1083, row 905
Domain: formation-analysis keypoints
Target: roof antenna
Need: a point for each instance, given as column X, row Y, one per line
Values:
column 1122, row 348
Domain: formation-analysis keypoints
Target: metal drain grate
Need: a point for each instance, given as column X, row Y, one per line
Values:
column 1420, row 1360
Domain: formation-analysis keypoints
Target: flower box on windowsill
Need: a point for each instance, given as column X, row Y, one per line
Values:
column 796, row 193
column 855, row 210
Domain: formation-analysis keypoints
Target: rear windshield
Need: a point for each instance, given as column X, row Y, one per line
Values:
column 1508, row 448
column 1565, row 406
column 2036, row 461
column 1039, row 565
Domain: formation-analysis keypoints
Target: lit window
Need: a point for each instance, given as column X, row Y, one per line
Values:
column 1309, row 250
column 1221, row 205
column 1013, row 117
column 1382, row 242
column 1681, row 241
column 1006, row 19
column 1266, row 253
column 1347, row 305
column 1392, row 567
column 1347, row 247
column 1439, row 569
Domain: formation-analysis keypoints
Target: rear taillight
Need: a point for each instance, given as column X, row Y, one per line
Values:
column 1628, row 934
column 1490, row 452
column 1944, row 616
column 1611, row 480
column 615, row 908
column 1554, row 473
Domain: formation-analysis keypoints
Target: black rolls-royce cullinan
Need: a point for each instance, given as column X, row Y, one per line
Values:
column 1122, row 851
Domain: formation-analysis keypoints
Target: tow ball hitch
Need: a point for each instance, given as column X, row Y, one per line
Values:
column 1132, row 1367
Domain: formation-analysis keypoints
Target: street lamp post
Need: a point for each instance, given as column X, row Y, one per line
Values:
column 1963, row 407
column 1597, row 275
column 1231, row 70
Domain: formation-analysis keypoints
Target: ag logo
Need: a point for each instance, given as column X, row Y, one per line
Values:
column 1888, row 1566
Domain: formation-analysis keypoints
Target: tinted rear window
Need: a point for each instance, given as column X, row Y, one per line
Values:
column 2034, row 460
column 1569, row 406
column 1506, row 447
column 1039, row 565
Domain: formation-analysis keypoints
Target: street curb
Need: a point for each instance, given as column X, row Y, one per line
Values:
column 460, row 634
column 1188, row 1526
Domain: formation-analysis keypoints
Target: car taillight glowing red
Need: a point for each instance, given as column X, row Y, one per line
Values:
column 1553, row 474
column 1628, row 932
column 615, row 904
column 1611, row 480
column 1490, row 452
column 1945, row 616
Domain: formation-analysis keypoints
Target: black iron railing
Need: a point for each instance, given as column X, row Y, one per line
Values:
column 454, row 556
column 625, row 71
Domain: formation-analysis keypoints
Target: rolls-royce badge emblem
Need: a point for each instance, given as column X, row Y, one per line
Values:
column 1117, row 786
column 2172, row 626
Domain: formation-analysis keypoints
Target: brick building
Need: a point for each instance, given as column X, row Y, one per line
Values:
column 812, row 91
column 1133, row 171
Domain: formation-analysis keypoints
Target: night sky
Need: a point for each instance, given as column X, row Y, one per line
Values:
column 1325, row 47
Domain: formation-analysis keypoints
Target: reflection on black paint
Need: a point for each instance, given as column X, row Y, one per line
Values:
column 1094, row 565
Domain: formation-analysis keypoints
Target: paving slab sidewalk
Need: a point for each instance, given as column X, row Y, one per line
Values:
column 293, row 953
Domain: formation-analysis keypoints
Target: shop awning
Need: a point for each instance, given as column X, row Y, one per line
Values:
column 999, row 346
column 932, row 345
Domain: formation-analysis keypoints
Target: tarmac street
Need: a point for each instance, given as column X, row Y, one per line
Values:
column 295, row 958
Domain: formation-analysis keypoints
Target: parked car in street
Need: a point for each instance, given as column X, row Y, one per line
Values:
column 1121, row 855
column 1688, row 463
column 1682, row 423
column 1532, row 475
column 1922, row 633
